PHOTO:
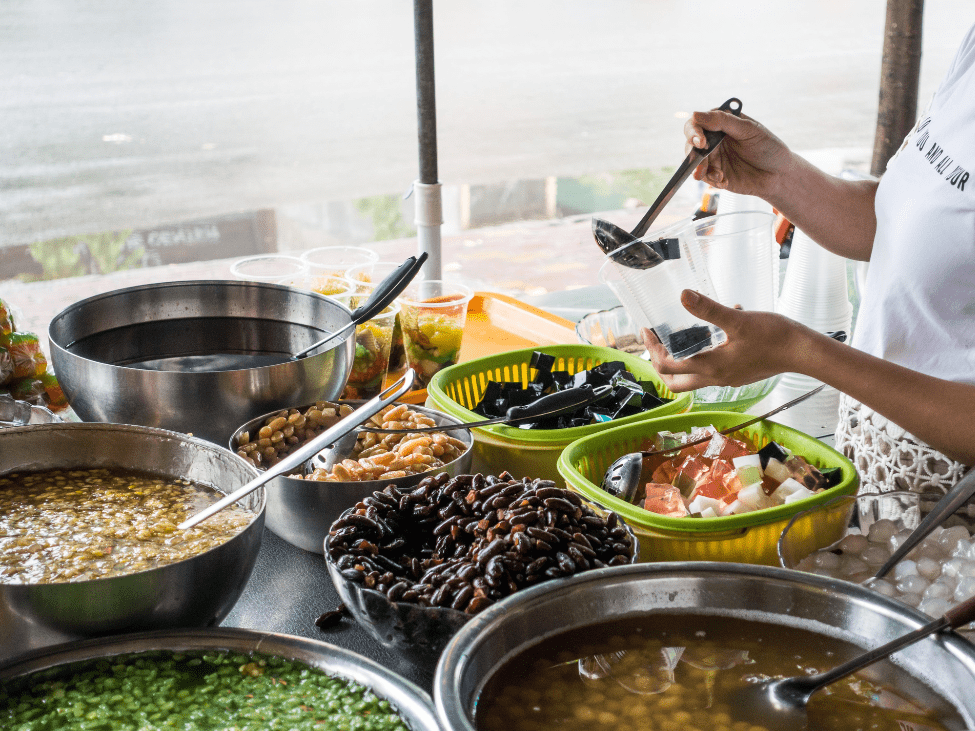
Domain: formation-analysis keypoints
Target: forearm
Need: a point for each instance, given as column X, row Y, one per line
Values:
column 835, row 213
column 935, row 411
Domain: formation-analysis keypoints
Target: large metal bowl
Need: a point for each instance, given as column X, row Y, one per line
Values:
column 829, row 607
column 198, row 357
column 302, row 511
column 413, row 705
column 198, row 591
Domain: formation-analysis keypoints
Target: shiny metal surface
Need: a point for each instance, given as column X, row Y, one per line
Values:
column 759, row 593
column 199, row 357
column 196, row 592
column 302, row 511
column 413, row 704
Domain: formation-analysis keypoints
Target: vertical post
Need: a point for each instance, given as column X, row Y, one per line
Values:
column 428, row 201
column 899, row 75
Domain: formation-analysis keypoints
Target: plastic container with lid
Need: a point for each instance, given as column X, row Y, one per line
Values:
column 748, row 538
column 534, row 453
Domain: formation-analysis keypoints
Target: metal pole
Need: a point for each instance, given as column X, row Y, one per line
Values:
column 428, row 201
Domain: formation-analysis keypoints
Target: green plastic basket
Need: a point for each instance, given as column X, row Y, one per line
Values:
column 748, row 538
column 534, row 453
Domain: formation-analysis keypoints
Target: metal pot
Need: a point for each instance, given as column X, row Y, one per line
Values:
column 760, row 593
column 413, row 705
column 199, row 357
column 198, row 591
column 302, row 511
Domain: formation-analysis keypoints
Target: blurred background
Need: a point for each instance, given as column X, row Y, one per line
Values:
column 145, row 134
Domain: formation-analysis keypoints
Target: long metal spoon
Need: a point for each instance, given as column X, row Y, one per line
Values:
column 308, row 451
column 957, row 496
column 384, row 293
column 622, row 479
column 611, row 237
column 780, row 705
column 550, row 405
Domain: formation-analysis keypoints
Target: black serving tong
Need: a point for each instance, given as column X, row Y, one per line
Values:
column 551, row 405
column 384, row 293
column 611, row 237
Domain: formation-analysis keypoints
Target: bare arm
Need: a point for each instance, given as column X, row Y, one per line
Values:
column 762, row 344
column 835, row 213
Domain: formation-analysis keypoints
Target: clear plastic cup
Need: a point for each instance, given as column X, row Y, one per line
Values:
column 739, row 254
column 652, row 295
column 373, row 344
column 339, row 289
column 433, row 316
column 335, row 260
column 273, row 268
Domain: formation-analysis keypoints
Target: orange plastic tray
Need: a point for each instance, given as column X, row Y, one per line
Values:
column 497, row 323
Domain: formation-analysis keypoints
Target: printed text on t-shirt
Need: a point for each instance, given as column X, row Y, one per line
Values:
column 943, row 163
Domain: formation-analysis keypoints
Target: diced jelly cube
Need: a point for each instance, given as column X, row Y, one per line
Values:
column 769, row 485
column 748, row 475
column 713, row 448
column 709, row 513
column 736, row 507
column 747, row 460
column 717, row 483
column 754, row 496
column 785, row 489
column 777, row 470
column 665, row 500
column 734, row 448
column 805, row 473
column 665, row 473
column 798, row 495
column 701, row 503
column 692, row 472
column 667, row 440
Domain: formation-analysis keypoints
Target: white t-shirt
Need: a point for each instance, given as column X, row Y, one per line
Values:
column 918, row 308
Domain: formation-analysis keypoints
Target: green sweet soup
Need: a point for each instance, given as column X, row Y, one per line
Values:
column 192, row 692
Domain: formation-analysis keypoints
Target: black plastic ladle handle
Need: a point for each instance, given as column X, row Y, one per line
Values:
column 384, row 293
column 693, row 159
column 550, row 405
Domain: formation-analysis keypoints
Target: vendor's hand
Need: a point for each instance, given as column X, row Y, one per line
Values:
column 747, row 161
column 759, row 345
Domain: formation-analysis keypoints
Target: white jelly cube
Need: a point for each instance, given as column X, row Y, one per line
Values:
column 754, row 496
column 708, row 513
column 748, row 460
column 701, row 503
column 777, row 471
column 788, row 486
column 799, row 494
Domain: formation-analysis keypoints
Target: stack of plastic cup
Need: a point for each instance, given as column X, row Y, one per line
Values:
column 814, row 291
column 729, row 202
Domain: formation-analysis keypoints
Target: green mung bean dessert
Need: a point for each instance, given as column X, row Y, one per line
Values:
column 205, row 691
column 80, row 524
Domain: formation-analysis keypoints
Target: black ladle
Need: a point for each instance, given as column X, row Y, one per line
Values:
column 384, row 293
column 611, row 237
column 550, row 405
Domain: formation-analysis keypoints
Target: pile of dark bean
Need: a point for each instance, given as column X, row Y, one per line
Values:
column 466, row 542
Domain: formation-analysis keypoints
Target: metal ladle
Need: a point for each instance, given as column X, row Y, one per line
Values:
column 307, row 452
column 780, row 705
column 611, row 237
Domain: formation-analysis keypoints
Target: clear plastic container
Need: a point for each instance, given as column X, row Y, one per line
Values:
column 652, row 295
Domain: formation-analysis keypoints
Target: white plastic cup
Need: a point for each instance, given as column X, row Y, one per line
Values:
column 814, row 291
column 273, row 268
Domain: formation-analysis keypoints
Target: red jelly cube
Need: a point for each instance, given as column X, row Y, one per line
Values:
column 665, row 500
column 715, row 483
column 665, row 473
column 691, row 473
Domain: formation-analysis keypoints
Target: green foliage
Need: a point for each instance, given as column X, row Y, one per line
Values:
column 386, row 215
column 65, row 256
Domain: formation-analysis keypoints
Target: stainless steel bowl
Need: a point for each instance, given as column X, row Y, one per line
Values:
column 198, row 357
column 302, row 511
column 413, row 705
column 198, row 591
column 415, row 632
column 841, row 610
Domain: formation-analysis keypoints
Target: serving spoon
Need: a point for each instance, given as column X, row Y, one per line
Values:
column 780, row 705
column 611, row 237
column 307, row 452
column 551, row 405
column 384, row 293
